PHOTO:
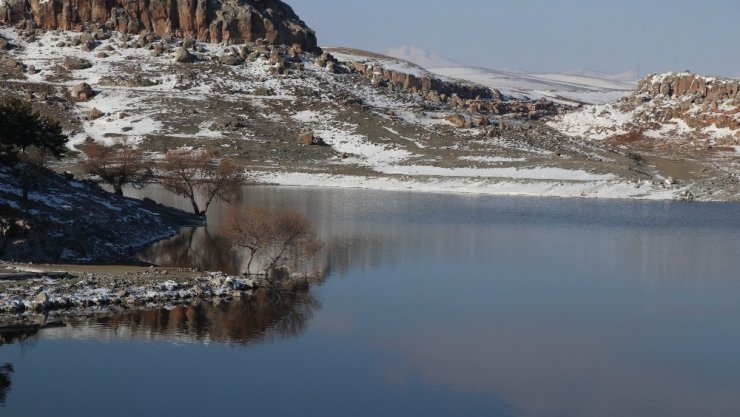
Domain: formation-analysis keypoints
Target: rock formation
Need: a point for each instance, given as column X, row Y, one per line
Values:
column 682, row 108
column 700, row 88
column 698, row 100
column 414, row 83
column 230, row 21
column 473, row 98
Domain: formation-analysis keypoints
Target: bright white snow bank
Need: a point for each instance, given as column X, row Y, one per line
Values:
column 603, row 188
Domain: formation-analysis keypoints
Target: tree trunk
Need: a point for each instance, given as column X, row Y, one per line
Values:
column 251, row 258
column 196, row 209
column 118, row 189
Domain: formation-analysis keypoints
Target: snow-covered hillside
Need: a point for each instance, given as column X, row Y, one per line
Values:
column 64, row 220
column 254, row 102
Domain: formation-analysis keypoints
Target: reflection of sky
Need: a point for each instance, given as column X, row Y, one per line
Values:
column 448, row 305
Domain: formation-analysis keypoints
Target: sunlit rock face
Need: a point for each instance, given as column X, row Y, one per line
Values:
column 698, row 100
column 230, row 21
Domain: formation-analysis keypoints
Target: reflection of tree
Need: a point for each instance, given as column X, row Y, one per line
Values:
column 270, row 238
column 194, row 248
column 5, row 372
column 279, row 235
column 267, row 316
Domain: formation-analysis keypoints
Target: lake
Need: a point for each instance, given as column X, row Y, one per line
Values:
column 430, row 305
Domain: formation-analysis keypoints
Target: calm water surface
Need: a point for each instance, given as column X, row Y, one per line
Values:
column 433, row 305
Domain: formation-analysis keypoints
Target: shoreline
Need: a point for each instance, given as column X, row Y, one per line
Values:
column 78, row 290
column 503, row 187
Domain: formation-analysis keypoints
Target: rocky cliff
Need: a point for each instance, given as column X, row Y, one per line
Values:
column 681, row 108
column 230, row 21
column 698, row 100
column 480, row 101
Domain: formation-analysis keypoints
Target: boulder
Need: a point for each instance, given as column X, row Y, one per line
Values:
column 41, row 301
column 158, row 49
column 94, row 114
column 82, row 92
column 308, row 138
column 456, row 119
column 183, row 56
column 9, row 67
column 482, row 121
column 72, row 63
column 86, row 37
column 89, row 46
column 188, row 42
column 230, row 59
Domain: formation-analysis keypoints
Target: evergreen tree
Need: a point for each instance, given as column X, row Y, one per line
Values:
column 22, row 128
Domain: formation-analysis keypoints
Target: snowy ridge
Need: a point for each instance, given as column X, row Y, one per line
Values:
column 567, row 89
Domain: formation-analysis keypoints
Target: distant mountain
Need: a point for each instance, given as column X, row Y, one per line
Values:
column 626, row 76
column 420, row 57
column 569, row 89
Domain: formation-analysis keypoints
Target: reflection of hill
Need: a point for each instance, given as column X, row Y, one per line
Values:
column 266, row 317
column 15, row 334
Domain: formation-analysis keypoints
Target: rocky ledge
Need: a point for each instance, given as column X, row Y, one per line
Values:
column 698, row 100
column 230, row 21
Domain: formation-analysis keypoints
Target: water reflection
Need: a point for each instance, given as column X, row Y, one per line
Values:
column 456, row 305
column 266, row 317
column 17, row 334
column 196, row 248
column 368, row 229
column 5, row 372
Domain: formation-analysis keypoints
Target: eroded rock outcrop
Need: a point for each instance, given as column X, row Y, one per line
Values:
column 415, row 83
column 699, row 88
column 700, row 101
column 684, row 109
column 231, row 21
column 473, row 98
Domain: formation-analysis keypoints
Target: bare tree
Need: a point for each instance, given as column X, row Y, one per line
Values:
column 187, row 173
column 118, row 164
column 292, row 235
column 278, row 235
column 248, row 228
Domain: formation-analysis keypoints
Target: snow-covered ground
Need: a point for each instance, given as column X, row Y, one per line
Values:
column 601, row 121
column 394, row 140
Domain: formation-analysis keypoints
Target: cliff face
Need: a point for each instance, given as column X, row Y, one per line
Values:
column 698, row 100
column 231, row 21
column 698, row 88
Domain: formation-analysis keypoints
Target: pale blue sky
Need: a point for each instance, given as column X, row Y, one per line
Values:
column 542, row 35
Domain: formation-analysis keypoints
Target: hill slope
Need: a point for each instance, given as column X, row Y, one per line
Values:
column 72, row 221
column 385, row 123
